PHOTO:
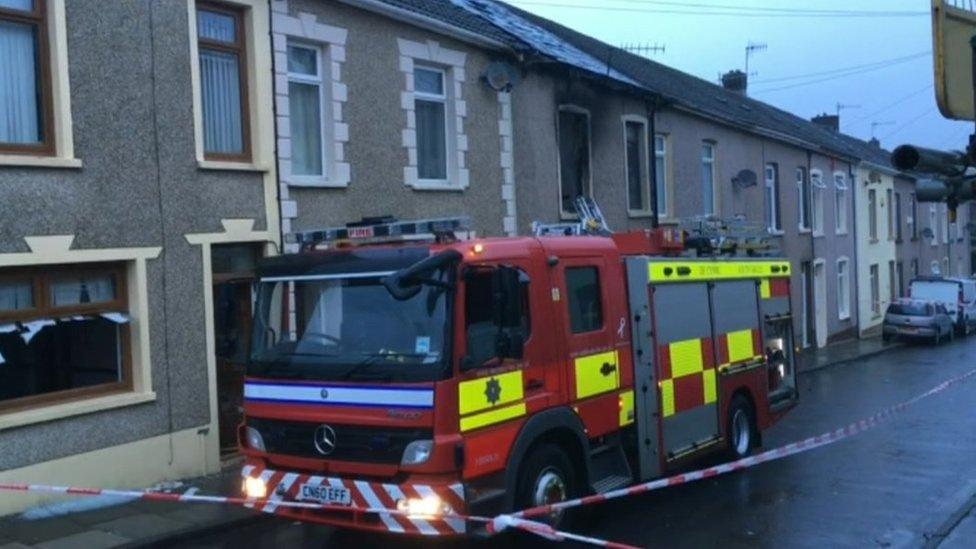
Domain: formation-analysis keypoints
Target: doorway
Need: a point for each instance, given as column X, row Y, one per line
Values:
column 233, row 275
column 820, row 302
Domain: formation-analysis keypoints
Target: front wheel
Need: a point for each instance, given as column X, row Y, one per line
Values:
column 741, row 432
column 547, row 476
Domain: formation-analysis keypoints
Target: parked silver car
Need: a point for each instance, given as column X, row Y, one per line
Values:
column 918, row 319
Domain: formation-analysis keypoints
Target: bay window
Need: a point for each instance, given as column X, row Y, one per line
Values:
column 817, row 188
column 840, row 203
column 803, row 199
column 223, row 82
column 64, row 334
column 25, row 83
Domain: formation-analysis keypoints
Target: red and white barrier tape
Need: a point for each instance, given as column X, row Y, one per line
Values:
column 520, row 520
column 794, row 448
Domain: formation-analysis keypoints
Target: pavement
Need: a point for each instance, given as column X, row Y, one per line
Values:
column 161, row 524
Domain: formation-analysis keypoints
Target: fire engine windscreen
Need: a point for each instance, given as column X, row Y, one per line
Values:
column 341, row 327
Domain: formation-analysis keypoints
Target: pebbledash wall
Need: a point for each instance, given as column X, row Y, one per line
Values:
column 370, row 126
column 128, row 183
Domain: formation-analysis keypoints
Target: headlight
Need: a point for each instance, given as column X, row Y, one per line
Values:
column 430, row 506
column 253, row 439
column 417, row 452
column 255, row 488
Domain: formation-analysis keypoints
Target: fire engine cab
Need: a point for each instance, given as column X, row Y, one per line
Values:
column 397, row 365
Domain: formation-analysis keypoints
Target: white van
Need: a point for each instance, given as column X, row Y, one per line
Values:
column 957, row 294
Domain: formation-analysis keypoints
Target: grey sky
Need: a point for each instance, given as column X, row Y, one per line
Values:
column 898, row 94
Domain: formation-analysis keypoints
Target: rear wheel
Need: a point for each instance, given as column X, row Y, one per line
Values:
column 741, row 431
column 547, row 476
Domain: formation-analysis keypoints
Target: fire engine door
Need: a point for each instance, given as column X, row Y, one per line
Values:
column 592, row 329
column 685, row 367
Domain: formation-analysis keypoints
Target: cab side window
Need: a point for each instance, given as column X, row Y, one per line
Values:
column 487, row 323
column 583, row 299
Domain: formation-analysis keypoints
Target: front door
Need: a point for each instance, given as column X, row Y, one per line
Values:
column 233, row 275
column 820, row 302
column 685, row 367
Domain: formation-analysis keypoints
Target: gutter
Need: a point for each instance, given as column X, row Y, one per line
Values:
column 428, row 23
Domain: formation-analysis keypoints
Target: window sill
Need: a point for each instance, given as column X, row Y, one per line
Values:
column 639, row 214
column 841, row 233
column 39, row 161
column 775, row 232
column 316, row 183
column 231, row 166
column 422, row 185
column 818, row 235
column 873, row 241
column 844, row 317
column 803, row 230
column 73, row 408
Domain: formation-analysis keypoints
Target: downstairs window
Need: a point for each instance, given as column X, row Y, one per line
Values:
column 64, row 334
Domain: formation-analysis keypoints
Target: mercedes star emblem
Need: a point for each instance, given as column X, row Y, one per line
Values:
column 325, row 440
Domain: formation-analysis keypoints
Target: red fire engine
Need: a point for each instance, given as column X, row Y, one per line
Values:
column 396, row 366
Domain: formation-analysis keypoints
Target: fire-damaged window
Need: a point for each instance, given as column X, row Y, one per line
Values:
column 574, row 157
column 64, row 334
column 583, row 299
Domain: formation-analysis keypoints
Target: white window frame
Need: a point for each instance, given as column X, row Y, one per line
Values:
column 933, row 222
column 802, row 200
column 944, row 222
column 709, row 161
column 63, row 155
column 444, row 99
column 774, row 225
column 841, row 203
column 890, row 209
column 843, row 288
column 559, row 165
column 647, row 185
column 910, row 218
column 432, row 56
column 662, row 165
column 817, row 190
column 325, row 111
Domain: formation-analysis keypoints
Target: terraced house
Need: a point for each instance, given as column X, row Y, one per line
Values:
column 433, row 107
column 137, row 174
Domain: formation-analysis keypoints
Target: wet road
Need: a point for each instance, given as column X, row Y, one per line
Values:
column 885, row 488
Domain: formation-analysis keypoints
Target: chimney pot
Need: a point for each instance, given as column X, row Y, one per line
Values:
column 735, row 80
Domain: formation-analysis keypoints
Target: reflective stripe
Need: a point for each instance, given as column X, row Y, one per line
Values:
column 709, row 388
column 421, row 524
column 339, row 395
column 681, row 271
column 667, row 397
column 686, row 357
column 492, row 417
column 596, row 374
column 764, row 291
column 626, row 408
column 740, row 346
column 489, row 392
column 374, row 502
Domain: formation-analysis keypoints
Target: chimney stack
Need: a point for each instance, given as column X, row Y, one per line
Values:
column 874, row 142
column 829, row 121
column 735, row 80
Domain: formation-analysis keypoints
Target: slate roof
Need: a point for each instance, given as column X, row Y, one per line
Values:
column 527, row 32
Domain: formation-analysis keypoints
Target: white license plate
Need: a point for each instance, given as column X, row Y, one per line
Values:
column 909, row 330
column 327, row 495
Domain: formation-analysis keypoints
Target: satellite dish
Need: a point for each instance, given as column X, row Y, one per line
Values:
column 500, row 76
column 745, row 179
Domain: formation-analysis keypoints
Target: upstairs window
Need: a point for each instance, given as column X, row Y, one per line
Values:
column 305, row 108
column 223, row 89
column 773, row 222
column 636, row 164
column 889, row 205
column 912, row 217
column 708, row 178
column 873, row 214
column 840, row 203
column 574, row 157
column 817, row 188
column 583, row 299
column 64, row 334
column 25, row 89
column 898, row 218
column 430, row 105
column 802, row 199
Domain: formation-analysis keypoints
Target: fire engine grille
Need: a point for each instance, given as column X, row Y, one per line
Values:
column 352, row 442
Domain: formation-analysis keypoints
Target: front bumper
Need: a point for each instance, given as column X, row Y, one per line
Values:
column 908, row 331
column 285, row 486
